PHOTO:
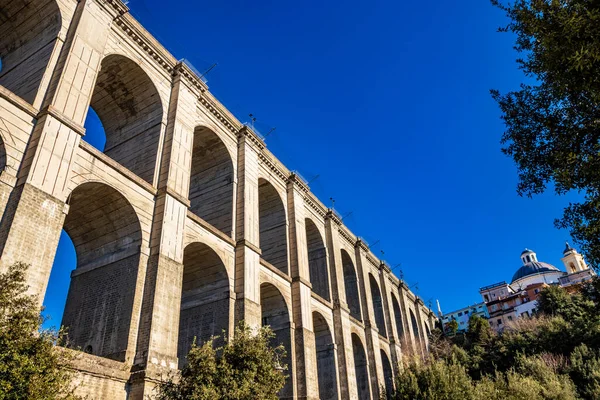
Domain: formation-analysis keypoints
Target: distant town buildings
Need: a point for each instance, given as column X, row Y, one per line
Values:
column 504, row 303
column 462, row 316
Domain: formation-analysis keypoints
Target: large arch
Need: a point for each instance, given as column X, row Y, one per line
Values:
column 326, row 368
column 415, row 326
column 272, row 223
column 397, row 318
column 130, row 109
column 361, row 370
column 387, row 375
column 211, row 181
column 28, row 34
column 205, row 298
column 107, row 236
column 351, row 286
column 275, row 314
column 377, row 306
column 317, row 260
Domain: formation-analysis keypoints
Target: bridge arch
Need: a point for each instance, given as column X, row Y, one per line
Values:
column 326, row 366
column 129, row 107
column 397, row 317
column 212, row 180
column 361, row 370
column 205, row 298
column 351, row 286
column 28, row 36
column 275, row 314
column 106, row 234
column 388, row 377
column 317, row 260
column 272, row 226
column 415, row 327
column 377, row 305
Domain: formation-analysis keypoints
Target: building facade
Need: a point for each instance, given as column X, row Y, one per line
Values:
column 506, row 303
column 462, row 316
column 184, row 225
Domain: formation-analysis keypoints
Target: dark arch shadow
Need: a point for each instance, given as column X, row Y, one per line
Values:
column 397, row 317
column 415, row 326
column 205, row 299
column 272, row 226
column 351, row 286
column 387, row 375
column 377, row 306
column 317, row 260
column 107, row 236
column 326, row 368
column 28, row 35
column 275, row 314
column 129, row 107
column 360, row 368
column 211, row 181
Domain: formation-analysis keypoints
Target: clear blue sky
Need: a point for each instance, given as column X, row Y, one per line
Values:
column 388, row 102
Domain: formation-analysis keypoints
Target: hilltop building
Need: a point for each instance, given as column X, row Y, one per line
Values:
column 507, row 302
column 503, row 303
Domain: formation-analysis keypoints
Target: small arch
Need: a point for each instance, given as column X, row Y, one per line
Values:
column 3, row 157
column 388, row 377
column 275, row 314
column 351, row 286
column 377, row 306
column 397, row 317
column 415, row 326
column 572, row 267
column 205, row 298
column 325, row 349
column 28, row 36
column 211, row 180
column 107, row 235
column 272, row 226
column 361, row 371
column 317, row 260
column 427, row 330
column 130, row 109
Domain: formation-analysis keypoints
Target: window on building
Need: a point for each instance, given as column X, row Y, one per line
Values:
column 467, row 312
column 486, row 297
column 509, row 318
column 460, row 314
column 499, row 322
column 536, row 291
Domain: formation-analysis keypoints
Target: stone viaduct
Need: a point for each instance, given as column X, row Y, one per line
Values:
column 184, row 224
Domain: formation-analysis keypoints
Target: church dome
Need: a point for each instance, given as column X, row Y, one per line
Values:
column 532, row 268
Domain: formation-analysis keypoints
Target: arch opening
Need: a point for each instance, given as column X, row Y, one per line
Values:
column 326, row 368
column 129, row 107
column 317, row 260
column 211, row 181
column 351, row 286
column 274, row 313
column 397, row 317
column 28, row 34
column 388, row 377
column 106, row 237
column 205, row 299
column 415, row 326
column 361, row 371
column 272, row 226
column 377, row 306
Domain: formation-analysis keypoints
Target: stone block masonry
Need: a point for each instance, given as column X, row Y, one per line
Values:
column 183, row 224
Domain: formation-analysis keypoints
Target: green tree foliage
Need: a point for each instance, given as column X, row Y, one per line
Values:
column 31, row 367
column 245, row 368
column 437, row 379
column 553, row 120
column 555, row 355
